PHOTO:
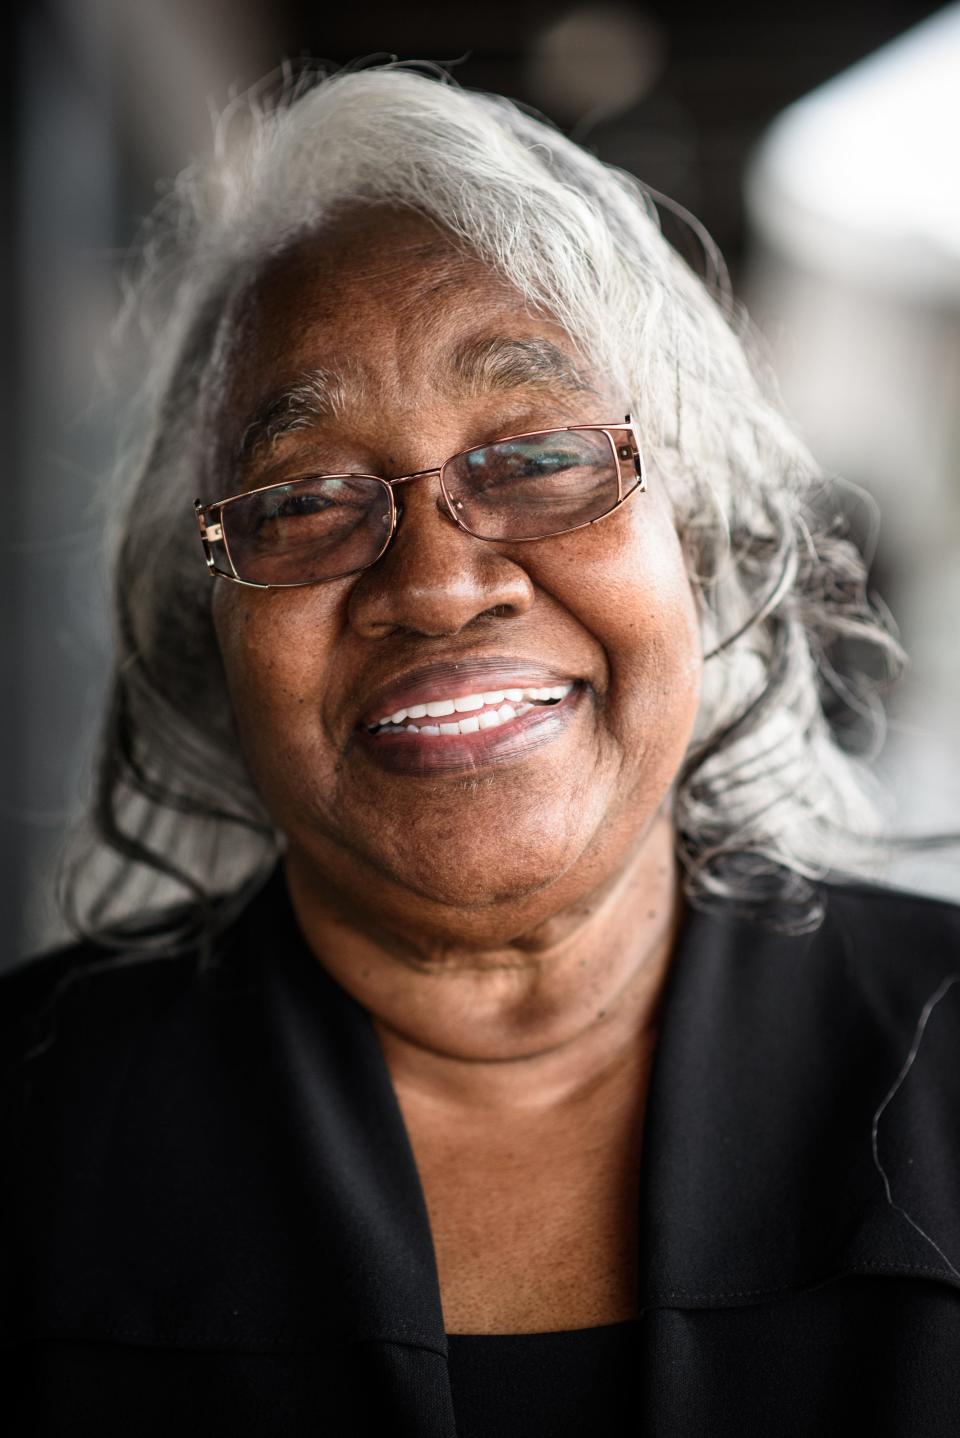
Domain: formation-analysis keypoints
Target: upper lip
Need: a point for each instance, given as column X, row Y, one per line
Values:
column 453, row 678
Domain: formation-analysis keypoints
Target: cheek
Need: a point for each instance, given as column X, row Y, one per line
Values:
column 274, row 658
column 629, row 587
column 656, row 669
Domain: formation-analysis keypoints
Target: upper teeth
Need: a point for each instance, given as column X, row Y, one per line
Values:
column 469, row 703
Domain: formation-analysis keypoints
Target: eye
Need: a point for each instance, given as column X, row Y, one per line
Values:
column 296, row 504
column 321, row 510
column 535, row 485
column 308, row 529
column 507, row 463
column 502, row 463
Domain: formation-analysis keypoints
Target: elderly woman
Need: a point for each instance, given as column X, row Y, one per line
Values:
column 528, row 1057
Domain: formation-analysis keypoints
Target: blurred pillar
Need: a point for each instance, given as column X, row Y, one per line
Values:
column 12, row 868
column 64, row 291
column 107, row 98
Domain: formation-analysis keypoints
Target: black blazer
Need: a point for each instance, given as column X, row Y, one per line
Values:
column 212, row 1221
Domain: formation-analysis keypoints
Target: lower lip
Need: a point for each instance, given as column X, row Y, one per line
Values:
column 431, row 754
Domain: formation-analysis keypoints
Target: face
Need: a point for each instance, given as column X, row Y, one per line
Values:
column 425, row 353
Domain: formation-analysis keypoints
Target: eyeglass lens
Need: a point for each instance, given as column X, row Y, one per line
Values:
column 525, row 488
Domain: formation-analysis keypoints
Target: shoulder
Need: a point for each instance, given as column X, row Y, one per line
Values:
column 884, row 904
column 88, row 982
column 90, row 990
column 851, row 919
column 885, row 925
column 861, row 977
column 888, row 964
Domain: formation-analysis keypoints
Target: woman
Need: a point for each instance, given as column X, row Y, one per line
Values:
column 527, row 1058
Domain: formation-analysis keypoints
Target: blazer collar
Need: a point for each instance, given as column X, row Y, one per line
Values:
column 758, row 1170
column 241, row 1173
column 775, row 1058
column 376, row 1265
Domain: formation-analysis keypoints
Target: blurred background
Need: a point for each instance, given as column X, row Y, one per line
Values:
column 817, row 143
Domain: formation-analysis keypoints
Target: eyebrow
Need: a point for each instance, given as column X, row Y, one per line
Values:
column 474, row 367
column 504, row 364
column 314, row 396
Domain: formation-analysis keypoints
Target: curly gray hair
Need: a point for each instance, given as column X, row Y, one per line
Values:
column 769, row 796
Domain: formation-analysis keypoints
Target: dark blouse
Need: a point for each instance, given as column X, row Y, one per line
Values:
column 211, row 1219
column 546, row 1385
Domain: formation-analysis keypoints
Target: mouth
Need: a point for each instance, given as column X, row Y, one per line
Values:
column 462, row 732
column 469, row 713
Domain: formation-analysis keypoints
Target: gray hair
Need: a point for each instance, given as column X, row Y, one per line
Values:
column 770, row 795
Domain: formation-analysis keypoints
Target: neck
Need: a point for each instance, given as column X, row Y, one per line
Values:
column 540, row 1020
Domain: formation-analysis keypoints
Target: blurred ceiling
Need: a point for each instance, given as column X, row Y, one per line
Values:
column 676, row 93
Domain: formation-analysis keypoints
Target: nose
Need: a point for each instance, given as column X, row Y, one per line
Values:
column 435, row 579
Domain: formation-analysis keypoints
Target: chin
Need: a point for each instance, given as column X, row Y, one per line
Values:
column 465, row 880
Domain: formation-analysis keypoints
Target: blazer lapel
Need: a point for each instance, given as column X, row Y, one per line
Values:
column 357, row 1174
column 241, row 1179
column 775, row 1055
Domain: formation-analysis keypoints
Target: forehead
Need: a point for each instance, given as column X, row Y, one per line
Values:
column 385, row 301
column 373, row 264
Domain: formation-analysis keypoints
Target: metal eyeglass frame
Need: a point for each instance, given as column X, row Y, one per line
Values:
column 626, row 456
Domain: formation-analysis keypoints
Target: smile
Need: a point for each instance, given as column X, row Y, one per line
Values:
column 461, row 734
column 468, row 713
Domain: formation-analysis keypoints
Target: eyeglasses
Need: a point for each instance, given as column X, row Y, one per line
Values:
column 326, row 526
